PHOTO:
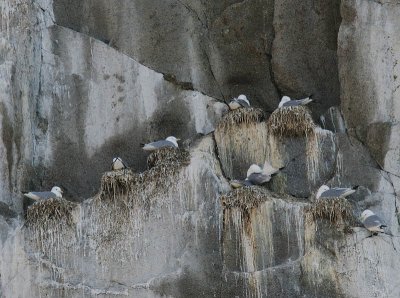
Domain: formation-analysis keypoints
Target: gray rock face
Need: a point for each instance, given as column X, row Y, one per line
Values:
column 84, row 81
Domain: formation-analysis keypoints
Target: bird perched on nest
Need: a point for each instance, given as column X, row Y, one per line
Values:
column 256, row 175
column 326, row 192
column 118, row 164
column 240, row 102
column 168, row 142
column 372, row 222
column 56, row 192
column 287, row 102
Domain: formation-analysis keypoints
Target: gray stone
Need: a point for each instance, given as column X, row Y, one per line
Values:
column 304, row 58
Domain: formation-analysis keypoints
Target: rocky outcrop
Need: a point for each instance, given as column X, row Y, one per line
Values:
column 83, row 81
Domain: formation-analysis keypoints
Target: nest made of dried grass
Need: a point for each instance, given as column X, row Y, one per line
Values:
column 48, row 212
column 163, row 165
column 292, row 121
column 174, row 157
column 336, row 211
column 239, row 116
column 245, row 198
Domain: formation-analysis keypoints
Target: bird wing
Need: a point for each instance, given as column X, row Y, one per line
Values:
column 373, row 221
column 337, row 192
column 44, row 195
column 258, row 178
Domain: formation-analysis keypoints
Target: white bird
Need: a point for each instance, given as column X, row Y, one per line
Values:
column 118, row 164
column 168, row 142
column 372, row 222
column 55, row 192
column 257, row 175
column 287, row 102
column 240, row 102
column 325, row 192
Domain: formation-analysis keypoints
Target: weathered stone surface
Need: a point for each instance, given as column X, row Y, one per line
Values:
column 304, row 59
column 101, row 104
column 126, row 72
column 215, row 47
column 110, row 254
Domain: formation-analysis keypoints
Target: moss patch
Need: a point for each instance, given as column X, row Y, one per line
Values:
column 291, row 122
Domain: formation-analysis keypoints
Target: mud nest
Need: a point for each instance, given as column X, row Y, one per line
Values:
column 245, row 198
column 238, row 116
column 336, row 211
column 48, row 212
column 164, row 165
column 291, row 122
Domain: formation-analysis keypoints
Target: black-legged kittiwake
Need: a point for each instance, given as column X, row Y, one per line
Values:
column 240, row 102
column 372, row 222
column 257, row 175
column 287, row 102
column 55, row 192
column 168, row 142
column 240, row 183
column 118, row 164
column 326, row 192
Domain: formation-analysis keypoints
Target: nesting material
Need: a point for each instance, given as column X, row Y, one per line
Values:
column 241, row 140
column 172, row 156
column 245, row 198
column 293, row 121
column 163, row 164
column 239, row 116
column 52, row 228
column 49, row 212
column 336, row 211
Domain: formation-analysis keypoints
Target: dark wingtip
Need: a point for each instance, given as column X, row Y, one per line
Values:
column 311, row 96
column 355, row 187
column 142, row 144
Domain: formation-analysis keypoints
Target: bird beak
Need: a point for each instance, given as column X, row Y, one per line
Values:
column 178, row 139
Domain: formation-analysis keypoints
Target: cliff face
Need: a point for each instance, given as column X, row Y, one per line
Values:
column 83, row 81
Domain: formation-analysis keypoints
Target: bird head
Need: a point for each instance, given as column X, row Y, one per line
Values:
column 243, row 97
column 283, row 100
column 321, row 190
column 58, row 191
column 173, row 140
column 254, row 169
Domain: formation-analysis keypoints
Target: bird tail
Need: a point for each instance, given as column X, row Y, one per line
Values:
column 268, row 169
column 306, row 100
column 142, row 145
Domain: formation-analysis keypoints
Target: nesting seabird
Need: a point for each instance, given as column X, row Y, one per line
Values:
column 55, row 192
column 325, row 192
column 168, row 142
column 240, row 102
column 240, row 183
column 372, row 222
column 257, row 175
column 287, row 102
column 118, row 164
